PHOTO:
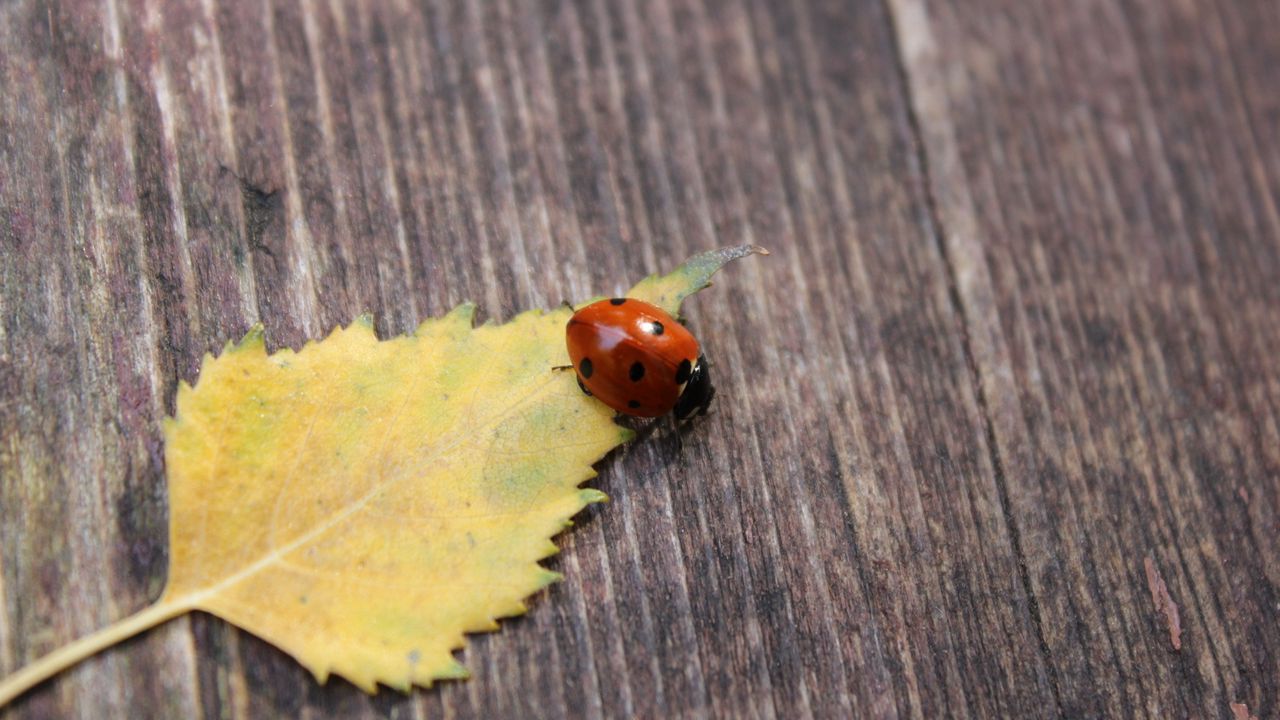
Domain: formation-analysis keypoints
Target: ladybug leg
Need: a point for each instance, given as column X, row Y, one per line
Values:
column 566, row 303
column 644, row 429
column 558, row 368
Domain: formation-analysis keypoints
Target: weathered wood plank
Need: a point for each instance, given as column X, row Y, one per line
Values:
column 1015, row 337
column 1109, row 215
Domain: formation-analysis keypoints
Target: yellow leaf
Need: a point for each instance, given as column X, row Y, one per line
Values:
column 362, row 503
column 379, row 498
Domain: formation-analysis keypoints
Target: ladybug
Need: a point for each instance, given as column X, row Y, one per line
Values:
column 638, row 360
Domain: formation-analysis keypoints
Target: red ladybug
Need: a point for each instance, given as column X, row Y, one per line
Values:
column 638, row 360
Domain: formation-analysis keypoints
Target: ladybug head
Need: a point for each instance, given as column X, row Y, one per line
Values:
column 698, row 392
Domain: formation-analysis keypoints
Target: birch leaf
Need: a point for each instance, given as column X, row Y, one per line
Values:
column 363, row 503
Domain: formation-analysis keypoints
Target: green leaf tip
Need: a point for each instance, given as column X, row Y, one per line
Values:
column 670, row 290
column 454, row 671
column 464, row 311
column 460, row 318
column 254, row 338
column 592, row 495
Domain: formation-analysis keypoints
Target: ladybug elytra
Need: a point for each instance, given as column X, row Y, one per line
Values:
column 638, row 360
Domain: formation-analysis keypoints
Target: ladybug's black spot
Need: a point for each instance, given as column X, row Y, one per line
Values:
column 585, row 368
column 633, row 404
column 656, row 328
column 617, row 301
column 684, row 371
column 637, row 371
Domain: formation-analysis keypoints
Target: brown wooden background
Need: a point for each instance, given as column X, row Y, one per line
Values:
column 1020, row 333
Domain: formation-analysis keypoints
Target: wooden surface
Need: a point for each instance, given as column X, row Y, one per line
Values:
column 1012, row 364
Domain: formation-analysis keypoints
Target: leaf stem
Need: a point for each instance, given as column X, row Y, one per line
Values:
column 70, row 654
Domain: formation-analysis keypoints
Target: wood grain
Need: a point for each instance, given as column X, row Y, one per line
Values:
column 1018, row 333
column 1110, row 220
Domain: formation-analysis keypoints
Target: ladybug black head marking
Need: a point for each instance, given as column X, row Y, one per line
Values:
column 698, row 392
